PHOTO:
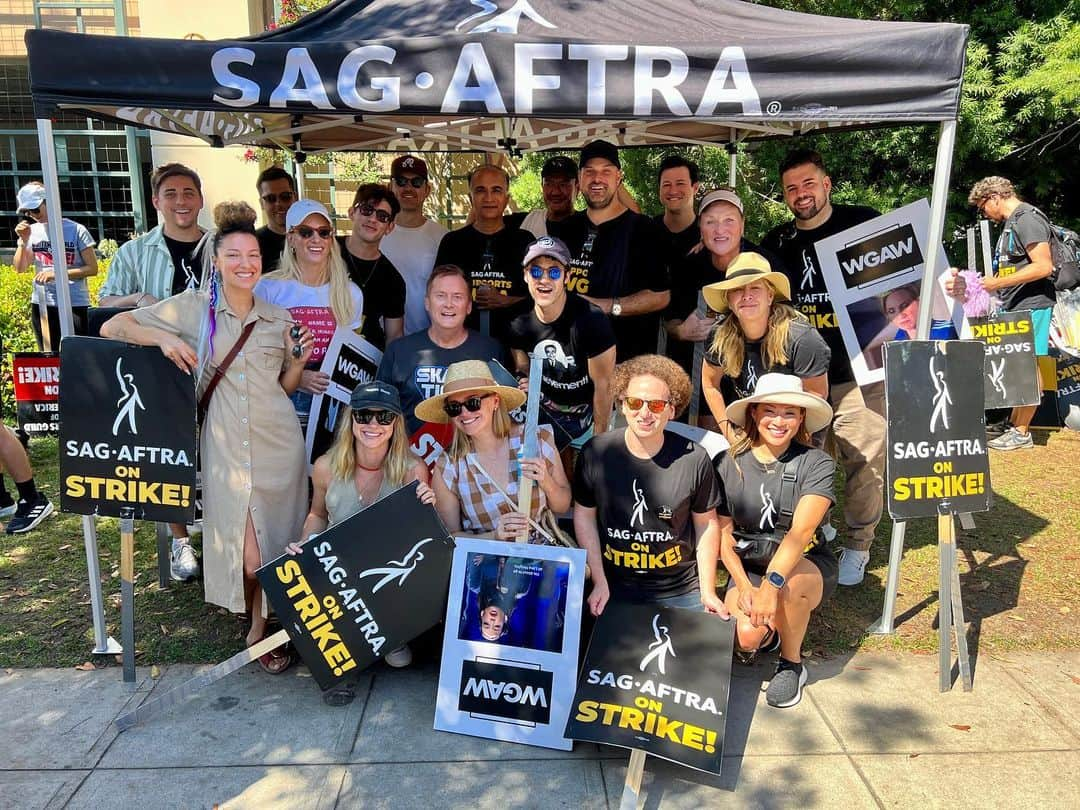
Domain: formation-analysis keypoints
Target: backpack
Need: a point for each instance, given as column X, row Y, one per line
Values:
column 1065, row 252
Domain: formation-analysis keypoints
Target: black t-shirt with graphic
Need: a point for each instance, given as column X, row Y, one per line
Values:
column 579, row 334
column 646, row 503
column 383, row 288
column 750, row 490
column 615, row 259
column 271, row 245
column 492, row 259
column 807, row 352
column 795, row 249
column 187, row 264
column 1024, row 227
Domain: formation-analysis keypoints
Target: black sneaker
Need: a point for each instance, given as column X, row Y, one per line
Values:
column 29, row 515
column 785, row 688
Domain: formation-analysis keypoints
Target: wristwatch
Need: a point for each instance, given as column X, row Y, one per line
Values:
column 616, row 307
column 776, row 579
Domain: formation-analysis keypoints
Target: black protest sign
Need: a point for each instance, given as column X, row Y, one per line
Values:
column 37, row 391
column 656, row 679
column 363, row 587
column 1011, row 371
column 355, row 361
column 936, row 434
column 127, row 432
column 882, row 254
column 1068, row 390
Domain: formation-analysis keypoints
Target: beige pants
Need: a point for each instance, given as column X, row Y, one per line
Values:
column 857, row 440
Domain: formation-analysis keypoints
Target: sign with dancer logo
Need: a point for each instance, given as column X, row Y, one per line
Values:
column 127, row 432
column 510, row 648
column 937, row 459
column 363, row 587
column 1011, row 372
column 37, row 391
column 656, row 679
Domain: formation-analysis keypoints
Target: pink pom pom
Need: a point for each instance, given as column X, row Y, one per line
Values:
column 977, row 301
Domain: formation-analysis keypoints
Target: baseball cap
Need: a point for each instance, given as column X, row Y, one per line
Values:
column 302, row 209
column 375, row 394
column 600, row 149
column 720, row 195
column 548, row 246
column 30, row 197
column 560, row 164
column 408, row 163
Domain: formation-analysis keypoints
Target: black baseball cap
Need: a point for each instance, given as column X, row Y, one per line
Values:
column 377, row 395
column 600, row 149
column 559, row 165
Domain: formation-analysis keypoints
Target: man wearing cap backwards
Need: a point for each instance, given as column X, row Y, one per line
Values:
column 489, row 252
column 166, row 260
column 619, row 256
column 34, row 248
column 576, row 388
column 413, row 243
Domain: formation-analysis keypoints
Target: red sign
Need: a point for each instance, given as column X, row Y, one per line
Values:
column 37, row 391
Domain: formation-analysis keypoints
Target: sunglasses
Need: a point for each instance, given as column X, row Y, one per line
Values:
column 472, row 405
column 379, row 214
column 285, row 197
column 364, row 417
column 654, row 405
column 306, row 233
column 538, row 272
column 415, row 182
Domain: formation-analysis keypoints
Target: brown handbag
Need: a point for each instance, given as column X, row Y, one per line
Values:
column 204, row 400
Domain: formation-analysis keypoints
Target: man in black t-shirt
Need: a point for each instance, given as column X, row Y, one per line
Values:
column 490, row 253
column 678, row 187
column 619, row 257
column 645, row 500
column 277, row 192
column 575, row 338
column 558, row 182
column 372, row 213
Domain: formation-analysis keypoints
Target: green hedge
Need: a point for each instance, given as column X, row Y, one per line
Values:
column 15, row 328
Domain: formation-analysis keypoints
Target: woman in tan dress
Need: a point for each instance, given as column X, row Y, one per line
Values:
column 254, row 492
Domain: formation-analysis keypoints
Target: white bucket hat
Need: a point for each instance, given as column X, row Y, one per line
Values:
column 784, row 389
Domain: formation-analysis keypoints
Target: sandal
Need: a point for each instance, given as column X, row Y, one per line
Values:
column 277, row 660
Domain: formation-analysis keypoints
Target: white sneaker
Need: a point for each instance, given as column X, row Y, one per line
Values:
column 182, row 563
column 852, row 566
column 401, row 657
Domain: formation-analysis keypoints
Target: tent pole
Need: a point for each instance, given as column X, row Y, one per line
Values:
column 733, row 156
column 300, row 191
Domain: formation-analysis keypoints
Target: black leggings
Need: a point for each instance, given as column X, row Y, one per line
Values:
column 78, row 317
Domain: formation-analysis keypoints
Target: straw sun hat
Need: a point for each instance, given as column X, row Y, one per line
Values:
column 746, row 269
column 783, row 389
column 467, row 376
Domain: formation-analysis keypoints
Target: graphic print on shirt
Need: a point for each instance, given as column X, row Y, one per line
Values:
column 768, row 510
column 751, row 375
column 429, row 380
column 191, row 278
column 807, row 281
column 638, row 515
column 320, row 322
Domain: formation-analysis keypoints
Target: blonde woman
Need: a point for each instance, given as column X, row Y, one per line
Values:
column 761, row 333
column 476, row 479
column 312, row 282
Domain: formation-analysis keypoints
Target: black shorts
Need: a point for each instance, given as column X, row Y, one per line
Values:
column 821, row 557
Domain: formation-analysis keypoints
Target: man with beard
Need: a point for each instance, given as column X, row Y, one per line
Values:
column 619, row 256
column 277, row 191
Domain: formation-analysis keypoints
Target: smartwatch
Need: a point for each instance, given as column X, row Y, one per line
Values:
column 776, row 579
column 616, row 307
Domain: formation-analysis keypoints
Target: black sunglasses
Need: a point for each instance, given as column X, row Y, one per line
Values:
column 537, row 272
column 32, row 210
column 285, row 197
column 379, row 214
column 472, row 405
column 306, row 233
column 364, row 417
column 415, row 182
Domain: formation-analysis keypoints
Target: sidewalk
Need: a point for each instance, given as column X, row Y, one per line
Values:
column 871, row 731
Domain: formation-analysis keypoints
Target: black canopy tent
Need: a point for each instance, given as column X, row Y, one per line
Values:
column 513, row 75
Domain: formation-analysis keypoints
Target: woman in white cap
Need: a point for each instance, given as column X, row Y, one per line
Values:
column 476, row 480
column 762, row 333
column 776, row 494
column 369, row 459
column 313, row 283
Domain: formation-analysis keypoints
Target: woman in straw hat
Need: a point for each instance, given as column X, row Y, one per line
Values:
column 776, row 494
column 476, row 479
column 762, row 333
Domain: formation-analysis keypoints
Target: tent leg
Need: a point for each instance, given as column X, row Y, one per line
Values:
column 301, row 192
column 884, row 625
column 938, row 201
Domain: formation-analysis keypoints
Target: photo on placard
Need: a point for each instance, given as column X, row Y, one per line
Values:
column 514, row 601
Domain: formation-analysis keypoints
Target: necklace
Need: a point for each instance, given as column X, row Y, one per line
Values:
column 368, row 469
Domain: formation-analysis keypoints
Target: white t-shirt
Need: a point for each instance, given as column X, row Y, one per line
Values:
column 311, row 307
column 76, row 240
column 412, row 251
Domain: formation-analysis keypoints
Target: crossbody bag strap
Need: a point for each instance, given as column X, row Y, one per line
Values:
column 204, row 400
column 789, row 494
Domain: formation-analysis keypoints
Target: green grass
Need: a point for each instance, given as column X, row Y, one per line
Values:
column 1020, row 571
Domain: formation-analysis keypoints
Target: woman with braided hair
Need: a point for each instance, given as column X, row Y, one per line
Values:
column 252, row 450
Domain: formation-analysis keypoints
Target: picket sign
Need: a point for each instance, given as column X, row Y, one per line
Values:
column 695, row 367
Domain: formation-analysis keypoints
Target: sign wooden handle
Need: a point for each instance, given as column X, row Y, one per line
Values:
column 530, row 442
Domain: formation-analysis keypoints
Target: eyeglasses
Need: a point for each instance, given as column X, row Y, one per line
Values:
column 472, row 405
column 415, row 182
column 285, row 197
column 379, row 214
column 538, row 272
column 306, row 233
column 654, row 405
column 364, row 417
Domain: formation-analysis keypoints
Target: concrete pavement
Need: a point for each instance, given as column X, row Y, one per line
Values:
column 872, row 731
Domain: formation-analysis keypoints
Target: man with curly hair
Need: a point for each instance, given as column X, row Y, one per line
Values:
column 645, row 500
